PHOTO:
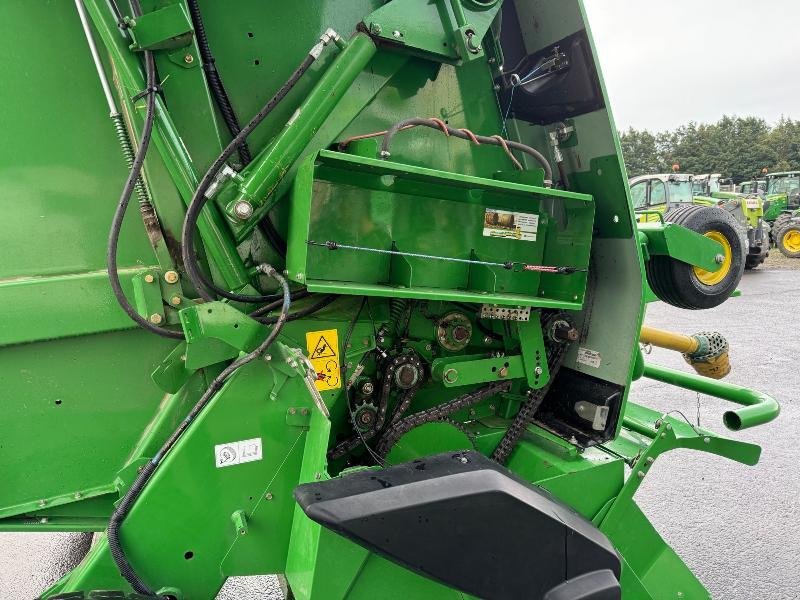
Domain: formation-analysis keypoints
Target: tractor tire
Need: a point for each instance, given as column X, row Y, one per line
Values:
column 782, row 219
column 685, row 286
column 787, row 238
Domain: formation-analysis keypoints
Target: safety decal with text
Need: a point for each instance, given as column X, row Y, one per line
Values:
column 323, row 352
column 510, row 225
column 236, row 453
column 590, row 358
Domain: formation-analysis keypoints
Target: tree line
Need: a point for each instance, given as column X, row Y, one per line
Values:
column 736, row 147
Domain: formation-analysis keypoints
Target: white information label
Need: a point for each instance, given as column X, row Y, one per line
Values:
column 590, row 358
column 510, row 225
column 752, row 203
column 237, row 453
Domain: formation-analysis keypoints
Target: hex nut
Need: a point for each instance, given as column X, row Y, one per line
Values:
column 156, row 318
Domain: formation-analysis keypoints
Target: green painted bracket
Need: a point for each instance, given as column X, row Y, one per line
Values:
column 216, row 332
column 165, row 28
column 171, row 374
column 472, row 369
column 664, row 433
column 147, row 297
column 449, row 31
column 680, row 243
column 534, row 354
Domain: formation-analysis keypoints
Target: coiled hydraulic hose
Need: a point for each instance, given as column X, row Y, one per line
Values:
column 200, row 281
column 146, row 473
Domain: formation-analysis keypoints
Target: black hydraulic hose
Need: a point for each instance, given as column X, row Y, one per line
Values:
column 223, row 102
column 464, row 135
column 303, row 312
column 218, row 90
column 200, row 281
column 133, row 493
column 125, row 197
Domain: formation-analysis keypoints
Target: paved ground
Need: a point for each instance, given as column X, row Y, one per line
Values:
column 737, row 527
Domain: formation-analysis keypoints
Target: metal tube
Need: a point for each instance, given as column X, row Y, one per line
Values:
column 98, row 64
column 272, row 164
column 759, row 408
column 458, row 12
column 669, row 340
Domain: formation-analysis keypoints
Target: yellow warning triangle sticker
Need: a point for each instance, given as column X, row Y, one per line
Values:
column 323, row 349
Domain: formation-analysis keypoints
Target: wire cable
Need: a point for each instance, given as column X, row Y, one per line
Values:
column 129, row 499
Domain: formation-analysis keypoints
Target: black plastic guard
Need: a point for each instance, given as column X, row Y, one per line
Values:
column 464, row 520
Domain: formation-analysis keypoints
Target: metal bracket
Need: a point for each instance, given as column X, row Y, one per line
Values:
column 534, row 354
column 505, row 313
column 165, row 28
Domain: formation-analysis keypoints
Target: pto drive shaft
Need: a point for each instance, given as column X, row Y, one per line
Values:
column 706, row 351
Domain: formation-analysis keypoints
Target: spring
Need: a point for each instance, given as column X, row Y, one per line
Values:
column 127, row 152
column 397, row 314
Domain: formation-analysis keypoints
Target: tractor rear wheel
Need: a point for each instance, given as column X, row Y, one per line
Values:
column 782, row 219
column 787, row 238
column 685, row 286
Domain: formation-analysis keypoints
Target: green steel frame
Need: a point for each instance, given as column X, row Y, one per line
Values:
column 99, row 397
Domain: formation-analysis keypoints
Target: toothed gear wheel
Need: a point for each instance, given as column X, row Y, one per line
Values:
column 365, row 415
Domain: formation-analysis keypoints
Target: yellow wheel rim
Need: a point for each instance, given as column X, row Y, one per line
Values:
column 791, row 240
column 714, row 277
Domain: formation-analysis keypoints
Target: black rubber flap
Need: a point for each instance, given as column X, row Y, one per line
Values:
column 464, row 520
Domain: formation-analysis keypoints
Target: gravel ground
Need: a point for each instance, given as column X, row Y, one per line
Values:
column 737, row 527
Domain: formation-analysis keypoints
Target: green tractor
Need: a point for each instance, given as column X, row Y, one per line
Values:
column 782, row 208
column 665, row 196
column 372, row 321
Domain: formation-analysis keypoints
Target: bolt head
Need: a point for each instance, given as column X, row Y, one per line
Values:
column 538, row 370
column 317, row 476
column 156, row 319
column 375, row 28
column 719, row 259
column 450, row 376
column 243, row 210
column 175, row 300
column 149, row 278
column 188, row 59
column 640, row 474
column 396, row 34
column 269, row 496
column 487, row 340
column 171, row 277
column 292, row 411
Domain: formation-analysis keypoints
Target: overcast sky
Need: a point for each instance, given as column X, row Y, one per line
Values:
column 669, row 62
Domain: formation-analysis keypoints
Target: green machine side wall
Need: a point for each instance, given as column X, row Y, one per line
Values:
column 78, row 376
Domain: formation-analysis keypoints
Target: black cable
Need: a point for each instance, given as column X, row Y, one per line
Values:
column 125, row 197
column 200, row 281
column 133, row 493
column 260, row 312
column 303, row 312
column 218, row 91
column 223, row 102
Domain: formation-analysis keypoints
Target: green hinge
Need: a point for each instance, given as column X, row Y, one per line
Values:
column 165, row 28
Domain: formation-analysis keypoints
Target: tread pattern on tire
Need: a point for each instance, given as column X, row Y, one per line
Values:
column 791, row 223
column 660, row 269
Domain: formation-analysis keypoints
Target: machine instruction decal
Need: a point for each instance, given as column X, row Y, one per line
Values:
column 590, row 358
column 236, row 453
column 510, row 225
column 323, row 352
